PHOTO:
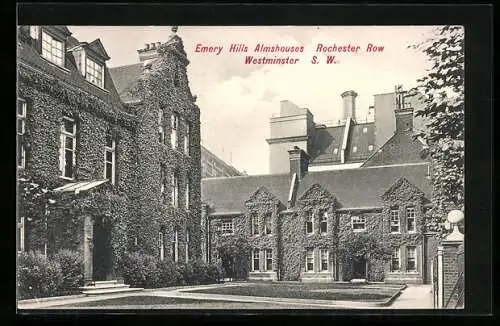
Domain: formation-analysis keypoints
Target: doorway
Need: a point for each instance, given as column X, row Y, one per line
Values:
column 101, row 251
column 359, row 268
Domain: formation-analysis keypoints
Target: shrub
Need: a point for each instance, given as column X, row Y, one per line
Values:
column 71, row 264
column 169, row 274
column 140, row 270
column 37, row 276
column 214, row 273
column 187, row 272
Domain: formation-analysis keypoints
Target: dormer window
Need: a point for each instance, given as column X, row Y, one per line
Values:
column 52, row 49
column 94, row 72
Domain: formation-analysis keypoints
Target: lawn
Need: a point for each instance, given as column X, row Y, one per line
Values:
column 316, row 291
column 138, row 301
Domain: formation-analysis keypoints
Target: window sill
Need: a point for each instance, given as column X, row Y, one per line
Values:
column 357, row 231
column 395, row 232
column 411, row 232
column 66, row 178
column 96, row 86
column 66, row 70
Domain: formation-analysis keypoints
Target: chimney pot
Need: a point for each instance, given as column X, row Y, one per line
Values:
column 349, row 103
column 153, row 45
column 146, row 47
column 158, row 44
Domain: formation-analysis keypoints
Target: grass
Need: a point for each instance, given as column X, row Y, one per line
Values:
column 314, row 291
column 140, row 301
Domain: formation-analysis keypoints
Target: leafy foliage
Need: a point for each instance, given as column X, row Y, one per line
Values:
column 365, row 246
column 234, row 253
column 71, row 264
column 37, row 276
column 443, row 91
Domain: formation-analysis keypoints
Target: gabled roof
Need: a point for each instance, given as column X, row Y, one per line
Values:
column 98, row 48
column 352, row 188
column 402, row 147
column 125, row 78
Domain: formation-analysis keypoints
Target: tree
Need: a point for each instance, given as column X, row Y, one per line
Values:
column 234, row 253
column 443, row 93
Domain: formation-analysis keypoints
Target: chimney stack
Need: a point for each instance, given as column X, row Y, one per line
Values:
column 150, row 51
column 299, row 162
column 349, row 104
column 403, row 112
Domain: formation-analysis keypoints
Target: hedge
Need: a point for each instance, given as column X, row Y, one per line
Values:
column 146, row 271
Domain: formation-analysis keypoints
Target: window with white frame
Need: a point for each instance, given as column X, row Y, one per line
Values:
column 370, row 148
column 410, row 219
column 365, row 130
column 354, row 149
column 174, row 124
column 187, row 245
column 175, row 190
column 95, row 72
column 395, row 260
column 34, row 32
column 187, row 197
column 227, row 226
column 162, row 184
column 187, row 137
column 323, row 223
column 395, row 220
column 21, row 129
column 309, row 260
column 20, row 234
column 255, row 223
column 255, row 260
column 67, row 155
column 52, row 49
column 160, row 245
column 324, row 254
column 309, row 224
column 175, row 246
column 269, row 260
column 335, row 151
column 411, row 259
column 358, row 223
column 268, row 223
column 110, row 158
column 161, row 128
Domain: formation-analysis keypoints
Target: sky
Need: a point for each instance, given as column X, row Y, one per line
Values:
column 237, row 100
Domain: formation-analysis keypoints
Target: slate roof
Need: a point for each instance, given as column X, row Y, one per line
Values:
column 402, row 147
column 125, row 78
column 325, row 140
column 353, row 188
column 28, row 54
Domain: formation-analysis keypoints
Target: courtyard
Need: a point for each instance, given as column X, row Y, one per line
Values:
column 250, row 295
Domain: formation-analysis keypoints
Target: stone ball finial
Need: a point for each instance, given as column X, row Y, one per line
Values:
column 455, row 216
column 174, row 29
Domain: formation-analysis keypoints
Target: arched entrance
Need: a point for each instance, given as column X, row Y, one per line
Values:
column 102, row 262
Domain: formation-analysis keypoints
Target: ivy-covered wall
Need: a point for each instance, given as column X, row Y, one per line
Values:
column 164, row 90
column 315, row 201
column 134, row 207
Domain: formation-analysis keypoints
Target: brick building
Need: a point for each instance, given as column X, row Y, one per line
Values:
column 118, row 147
column 296, row 219
column 213, row 166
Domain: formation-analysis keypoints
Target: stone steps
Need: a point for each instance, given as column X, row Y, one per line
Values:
column 107, row 287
